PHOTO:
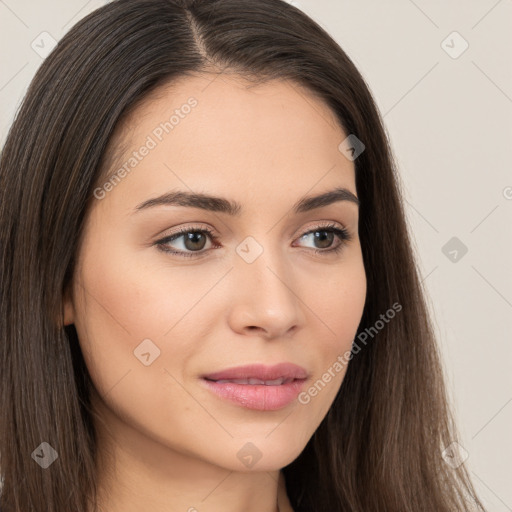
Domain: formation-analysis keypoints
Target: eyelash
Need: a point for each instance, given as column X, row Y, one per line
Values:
column 343, row 235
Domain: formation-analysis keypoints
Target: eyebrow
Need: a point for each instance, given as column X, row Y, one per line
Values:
column 233, row 208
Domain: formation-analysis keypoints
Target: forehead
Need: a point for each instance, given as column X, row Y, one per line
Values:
column 214, row 132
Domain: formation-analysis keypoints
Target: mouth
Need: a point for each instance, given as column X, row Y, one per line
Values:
column 260, row 372
column 258, row 387
column 254, row 381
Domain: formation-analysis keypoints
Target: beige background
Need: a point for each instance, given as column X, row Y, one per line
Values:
column 449, row 118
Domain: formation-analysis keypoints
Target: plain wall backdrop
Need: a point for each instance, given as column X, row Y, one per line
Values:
column 442, row 78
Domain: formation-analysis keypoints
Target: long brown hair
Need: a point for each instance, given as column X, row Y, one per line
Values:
column 380, row 446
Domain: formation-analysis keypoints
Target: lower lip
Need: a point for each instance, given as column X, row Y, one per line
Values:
column 257, row 396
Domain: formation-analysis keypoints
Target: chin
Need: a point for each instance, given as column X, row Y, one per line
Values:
column 270, row 453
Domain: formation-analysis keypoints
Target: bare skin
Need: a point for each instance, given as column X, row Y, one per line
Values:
column 166, row 442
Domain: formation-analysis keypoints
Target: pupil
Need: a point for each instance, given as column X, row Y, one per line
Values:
column 323, row 239
column 192, row 238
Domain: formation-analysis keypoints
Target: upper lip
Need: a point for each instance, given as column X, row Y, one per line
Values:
column 260, row 371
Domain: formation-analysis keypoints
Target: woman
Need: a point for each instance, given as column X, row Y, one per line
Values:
column 209, row 297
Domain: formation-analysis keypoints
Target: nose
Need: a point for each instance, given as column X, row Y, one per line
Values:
column 265, row 301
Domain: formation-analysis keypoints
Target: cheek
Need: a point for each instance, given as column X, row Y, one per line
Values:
column 126, row 309
column 129, row 301
column 339, row 304
column 122, row 318
column 338, row 309
column 115, row 312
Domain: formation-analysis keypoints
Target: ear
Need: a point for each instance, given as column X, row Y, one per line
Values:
column 68, row 308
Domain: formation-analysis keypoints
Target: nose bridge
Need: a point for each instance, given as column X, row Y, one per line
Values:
column 265, row 295
column 263, row 265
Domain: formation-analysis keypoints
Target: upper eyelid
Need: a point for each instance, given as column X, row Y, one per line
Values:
column 328, row 224
column 310, row 225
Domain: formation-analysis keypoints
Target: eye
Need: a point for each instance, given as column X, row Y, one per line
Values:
column 318, row 235
column 194, row 240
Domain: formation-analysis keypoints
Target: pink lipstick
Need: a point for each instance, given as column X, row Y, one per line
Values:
column 258, row 387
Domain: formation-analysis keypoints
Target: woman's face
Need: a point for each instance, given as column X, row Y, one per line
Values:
column 152, row 324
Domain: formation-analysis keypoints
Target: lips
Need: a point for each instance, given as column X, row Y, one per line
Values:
column 275, row 382
column 268, row 375
column 258, row 387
